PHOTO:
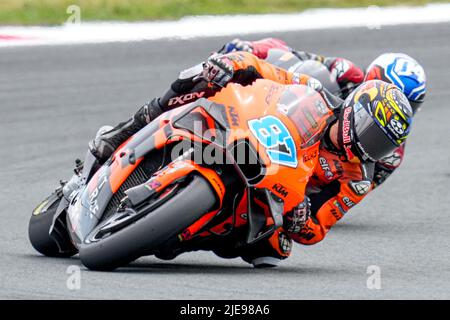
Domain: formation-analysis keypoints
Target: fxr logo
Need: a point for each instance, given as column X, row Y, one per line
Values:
column 186, row 98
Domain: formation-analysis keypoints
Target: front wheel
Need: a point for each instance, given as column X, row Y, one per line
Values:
column 148, row 233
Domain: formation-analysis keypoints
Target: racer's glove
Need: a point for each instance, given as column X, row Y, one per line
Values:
column 296, row 219
column 347, row 74
column 218, row 70
column 237, row 45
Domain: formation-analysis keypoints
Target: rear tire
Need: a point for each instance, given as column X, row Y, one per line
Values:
column 151, row 231
column 38, row 233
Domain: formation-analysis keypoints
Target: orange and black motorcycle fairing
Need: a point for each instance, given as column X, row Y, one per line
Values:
column 243, row 159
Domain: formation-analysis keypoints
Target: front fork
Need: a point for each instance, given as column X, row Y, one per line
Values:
column 67, row 192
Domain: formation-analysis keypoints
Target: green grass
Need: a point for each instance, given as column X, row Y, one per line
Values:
column 27, row 12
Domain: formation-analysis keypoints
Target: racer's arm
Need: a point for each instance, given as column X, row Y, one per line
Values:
column 259, row 48
column 248, row 67
column 329, row 206
column 347, row 74
column 238, row 67
column 345, row 71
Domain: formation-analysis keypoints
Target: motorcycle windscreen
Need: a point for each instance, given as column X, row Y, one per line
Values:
column 307, row 110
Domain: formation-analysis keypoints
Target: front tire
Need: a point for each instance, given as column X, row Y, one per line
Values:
column 151, row 231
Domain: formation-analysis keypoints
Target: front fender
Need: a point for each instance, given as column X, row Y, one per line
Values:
column 180, row 169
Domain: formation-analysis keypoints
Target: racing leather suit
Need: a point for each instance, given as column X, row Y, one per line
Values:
column 334, row 188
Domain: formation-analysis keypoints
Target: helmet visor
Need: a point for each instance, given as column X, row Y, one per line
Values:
column 372, row 142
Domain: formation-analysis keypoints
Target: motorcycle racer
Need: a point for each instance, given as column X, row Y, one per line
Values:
column 347, row 144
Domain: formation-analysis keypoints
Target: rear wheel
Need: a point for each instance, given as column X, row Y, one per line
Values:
column 58, row 243
column 119, row 246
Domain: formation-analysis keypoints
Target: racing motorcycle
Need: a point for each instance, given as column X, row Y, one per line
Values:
column 215, row 171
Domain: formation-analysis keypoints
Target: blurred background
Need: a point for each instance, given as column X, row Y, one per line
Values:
column 51, row 12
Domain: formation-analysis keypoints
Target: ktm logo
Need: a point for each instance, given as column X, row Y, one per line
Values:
column 279, row 188
column 186, row 98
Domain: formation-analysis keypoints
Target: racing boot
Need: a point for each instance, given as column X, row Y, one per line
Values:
column 104, row 144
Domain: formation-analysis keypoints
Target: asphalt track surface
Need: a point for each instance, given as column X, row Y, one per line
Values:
column 53, row 99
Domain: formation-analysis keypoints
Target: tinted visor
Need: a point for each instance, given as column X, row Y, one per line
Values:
column 371, row 141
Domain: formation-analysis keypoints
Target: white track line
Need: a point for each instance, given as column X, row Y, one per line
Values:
column 210, row 26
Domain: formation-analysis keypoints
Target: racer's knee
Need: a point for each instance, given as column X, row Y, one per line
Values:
column 269, row 252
